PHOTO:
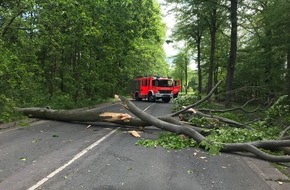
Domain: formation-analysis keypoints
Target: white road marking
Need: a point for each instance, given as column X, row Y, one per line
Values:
column 147, row 107
column 77, row 156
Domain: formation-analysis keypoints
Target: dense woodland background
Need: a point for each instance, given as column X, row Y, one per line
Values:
column 69, row 53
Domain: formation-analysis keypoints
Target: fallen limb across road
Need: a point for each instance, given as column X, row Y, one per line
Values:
column 88, row 115
column 167, row 123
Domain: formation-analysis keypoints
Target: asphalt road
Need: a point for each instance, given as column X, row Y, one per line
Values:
column 53, row 155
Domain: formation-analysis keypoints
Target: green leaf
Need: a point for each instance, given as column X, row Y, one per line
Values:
column 23, row 158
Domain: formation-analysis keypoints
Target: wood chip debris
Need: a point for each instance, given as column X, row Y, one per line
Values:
column 135, row 134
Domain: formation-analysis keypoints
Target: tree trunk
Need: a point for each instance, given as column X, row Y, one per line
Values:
column 288, row 74
column 198, row 44
column 186, row 73
column 88, row 115
column 233, row 53
column 213, row 29
column 215, row 80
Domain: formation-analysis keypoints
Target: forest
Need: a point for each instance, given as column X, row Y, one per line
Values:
column 244, row 43
column 69, row 54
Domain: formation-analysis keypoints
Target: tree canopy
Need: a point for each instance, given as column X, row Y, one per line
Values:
column 244, row 43
column 70, row 51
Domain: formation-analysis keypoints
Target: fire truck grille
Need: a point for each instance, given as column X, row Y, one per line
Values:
column 165, row 91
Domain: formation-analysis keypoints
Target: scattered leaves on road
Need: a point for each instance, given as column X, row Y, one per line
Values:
column 23, row 158
column 189, row 171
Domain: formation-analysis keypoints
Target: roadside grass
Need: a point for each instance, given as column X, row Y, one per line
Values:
column 283, row 168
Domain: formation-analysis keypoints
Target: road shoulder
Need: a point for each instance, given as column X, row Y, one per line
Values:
column 273, row 177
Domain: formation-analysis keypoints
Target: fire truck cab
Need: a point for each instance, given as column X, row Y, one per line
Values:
column 152, row 88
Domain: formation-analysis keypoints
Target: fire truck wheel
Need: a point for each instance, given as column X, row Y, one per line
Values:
column 166, row 100
column 151, row 97
column 137, row 97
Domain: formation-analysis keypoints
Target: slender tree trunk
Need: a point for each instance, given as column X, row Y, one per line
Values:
column 185, row 73
column 233, row 53
column 212, row 49
column 198, row 44
column 288, row 74
column 215, row 79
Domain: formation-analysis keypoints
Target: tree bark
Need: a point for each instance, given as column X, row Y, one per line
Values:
column 213, row 30
column 198, row 44
column 89, row 115
column 233, row 53
column 288, row 72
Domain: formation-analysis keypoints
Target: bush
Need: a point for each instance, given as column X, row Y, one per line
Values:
column 7, row 111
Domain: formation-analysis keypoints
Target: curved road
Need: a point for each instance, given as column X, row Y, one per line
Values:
column 54, row 155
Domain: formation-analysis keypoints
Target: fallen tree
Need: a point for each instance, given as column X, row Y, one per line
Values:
column 169, row 123
column 252, row 147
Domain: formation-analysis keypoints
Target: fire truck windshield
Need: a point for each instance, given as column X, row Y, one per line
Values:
column 162, row 83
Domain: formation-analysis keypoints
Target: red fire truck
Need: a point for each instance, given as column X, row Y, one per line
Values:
column 153, row 88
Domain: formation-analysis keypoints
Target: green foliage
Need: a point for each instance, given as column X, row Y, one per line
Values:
column 278, row 113
column 200, row 121
column 169, row 141
column 263, row 44
column 7, row 111
column 69, row 53
column 229, row 115
column 212, row 147
column 235, row 135
column 268, row 127
column 65, row 101
column 183, row 100
column 213, row 142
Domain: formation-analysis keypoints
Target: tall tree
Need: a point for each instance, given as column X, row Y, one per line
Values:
column 233, row 52
column 198, row 18
column 190, row 28
column 213, row 30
